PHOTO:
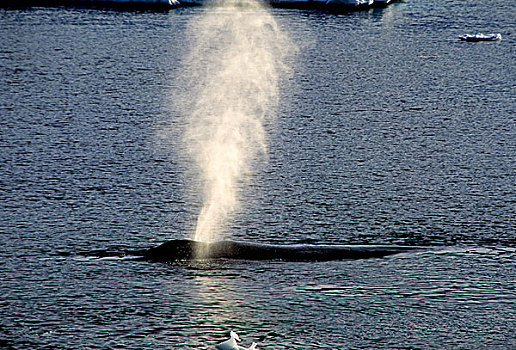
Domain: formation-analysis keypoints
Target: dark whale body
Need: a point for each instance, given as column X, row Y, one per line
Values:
column 176, row 250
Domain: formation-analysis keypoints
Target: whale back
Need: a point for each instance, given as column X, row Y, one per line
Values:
column 176, row 250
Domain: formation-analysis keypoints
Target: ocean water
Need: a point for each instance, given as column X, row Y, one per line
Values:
column 390, row 130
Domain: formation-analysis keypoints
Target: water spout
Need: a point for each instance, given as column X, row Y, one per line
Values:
column 233, row 69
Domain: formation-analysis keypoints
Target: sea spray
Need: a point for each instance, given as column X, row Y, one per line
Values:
column 232, row 73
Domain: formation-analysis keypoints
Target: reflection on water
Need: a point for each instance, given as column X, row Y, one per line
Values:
column 218, row 303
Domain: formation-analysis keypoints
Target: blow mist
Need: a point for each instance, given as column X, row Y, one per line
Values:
column 232, row 73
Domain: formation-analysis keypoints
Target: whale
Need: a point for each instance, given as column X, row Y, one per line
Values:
column 185, row 249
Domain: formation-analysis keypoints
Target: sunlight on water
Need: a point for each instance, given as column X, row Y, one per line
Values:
column 232, row 72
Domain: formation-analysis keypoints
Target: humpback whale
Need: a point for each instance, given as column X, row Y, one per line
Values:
column 184, row 249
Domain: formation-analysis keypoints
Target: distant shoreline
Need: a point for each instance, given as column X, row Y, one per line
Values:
column 165, row 5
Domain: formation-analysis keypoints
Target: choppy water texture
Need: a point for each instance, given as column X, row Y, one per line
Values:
column 390, row 130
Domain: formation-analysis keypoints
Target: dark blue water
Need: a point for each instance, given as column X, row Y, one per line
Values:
column 390, row 131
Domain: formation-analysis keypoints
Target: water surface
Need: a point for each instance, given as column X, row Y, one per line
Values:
column 391, row 131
